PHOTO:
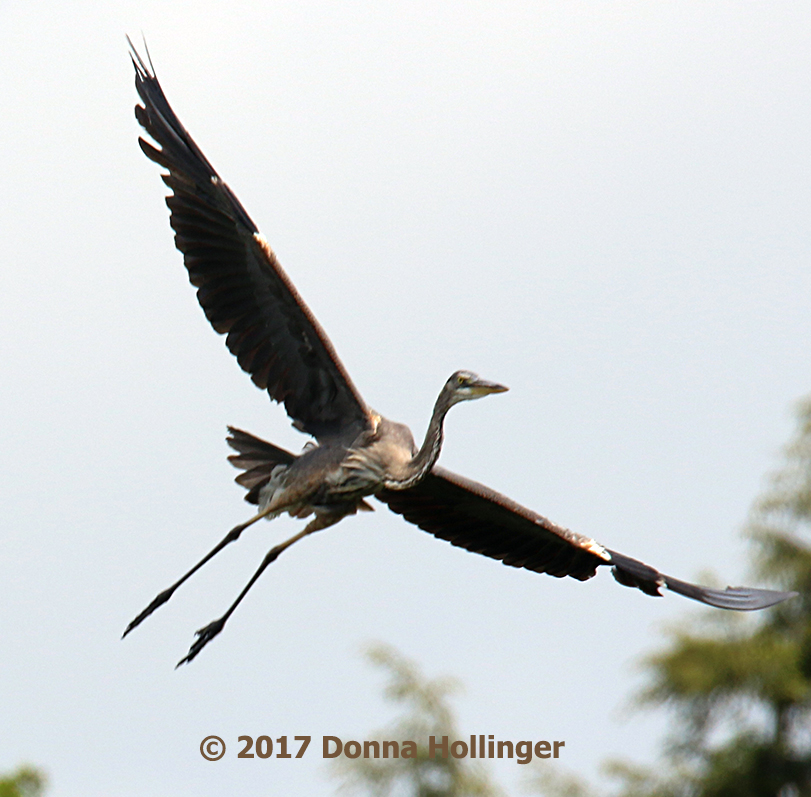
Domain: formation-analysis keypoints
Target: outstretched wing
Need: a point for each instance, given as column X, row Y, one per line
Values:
column 475, row 517
column 243, row 290
column 481, row 520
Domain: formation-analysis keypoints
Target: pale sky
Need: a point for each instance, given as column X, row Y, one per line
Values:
column 603, row 205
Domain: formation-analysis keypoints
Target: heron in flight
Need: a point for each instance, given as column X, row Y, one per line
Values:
column 247, row 296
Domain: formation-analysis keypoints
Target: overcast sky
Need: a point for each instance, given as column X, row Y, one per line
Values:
column 603, row 205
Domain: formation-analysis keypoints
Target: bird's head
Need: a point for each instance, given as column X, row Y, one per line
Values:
column 465, row 386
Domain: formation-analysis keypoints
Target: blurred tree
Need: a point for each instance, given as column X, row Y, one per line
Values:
column 740, row 687
column 426, row 712
column 25, row 782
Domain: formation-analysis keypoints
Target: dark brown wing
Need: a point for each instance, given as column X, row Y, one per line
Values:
column 240, row 284
column 481, row 520
column 475, row 517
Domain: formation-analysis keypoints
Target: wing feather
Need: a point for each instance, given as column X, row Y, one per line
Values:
column 241, row 287
column 473, row 516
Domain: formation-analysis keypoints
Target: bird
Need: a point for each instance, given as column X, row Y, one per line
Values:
column 356, row 453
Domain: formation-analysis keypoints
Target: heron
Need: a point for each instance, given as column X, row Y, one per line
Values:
column 356, row 453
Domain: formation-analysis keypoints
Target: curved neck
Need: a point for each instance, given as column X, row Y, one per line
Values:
column 428, row 454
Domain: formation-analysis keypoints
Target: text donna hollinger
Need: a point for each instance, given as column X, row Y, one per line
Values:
column 477, row 748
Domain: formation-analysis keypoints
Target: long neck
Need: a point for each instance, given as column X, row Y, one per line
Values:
column 428, row 454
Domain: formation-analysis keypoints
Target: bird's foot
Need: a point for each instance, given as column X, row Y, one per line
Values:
column 159, row 601
column 204, row 636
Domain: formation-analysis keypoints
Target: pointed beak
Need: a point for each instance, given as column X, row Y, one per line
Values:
column 484, row 388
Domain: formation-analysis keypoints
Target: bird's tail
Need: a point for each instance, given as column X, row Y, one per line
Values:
column 257, row 458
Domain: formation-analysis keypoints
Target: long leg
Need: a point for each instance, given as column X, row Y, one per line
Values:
column 205, row 635
column 167, row 593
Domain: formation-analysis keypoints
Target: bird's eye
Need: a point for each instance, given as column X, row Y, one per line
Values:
column 463, row 379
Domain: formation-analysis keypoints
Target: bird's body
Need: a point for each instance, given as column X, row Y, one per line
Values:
column 247, row 296
column 333, row 478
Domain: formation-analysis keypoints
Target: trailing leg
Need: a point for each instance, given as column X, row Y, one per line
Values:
column 205, row 635
column 167, row 593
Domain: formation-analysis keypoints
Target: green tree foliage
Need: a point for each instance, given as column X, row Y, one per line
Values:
column 425, row 712
column 25, row 782
column 739, row 687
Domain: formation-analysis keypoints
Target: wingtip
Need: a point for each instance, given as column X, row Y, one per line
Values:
column 741, row 599
column 746, row 599
column 633, row 573
column 144, row 68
